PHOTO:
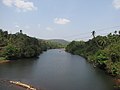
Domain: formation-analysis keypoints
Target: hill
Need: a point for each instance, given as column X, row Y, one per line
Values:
column 60, row 41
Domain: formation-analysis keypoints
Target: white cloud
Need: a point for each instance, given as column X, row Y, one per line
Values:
column 8, row 2
column 116, row 4
column 23, row 5
column 61, row 21
column 49, row 28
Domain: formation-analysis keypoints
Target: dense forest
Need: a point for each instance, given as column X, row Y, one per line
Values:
column 19, row 45
column 101, row 51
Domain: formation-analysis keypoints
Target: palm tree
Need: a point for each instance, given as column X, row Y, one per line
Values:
column 20, row 31
column 119, row 32
column 93, row 34
column 115, row 32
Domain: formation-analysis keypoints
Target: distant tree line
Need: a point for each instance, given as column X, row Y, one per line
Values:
column 19, row 45
column 102, row 51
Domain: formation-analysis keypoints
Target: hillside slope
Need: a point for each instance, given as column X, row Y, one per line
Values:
column 60, row 41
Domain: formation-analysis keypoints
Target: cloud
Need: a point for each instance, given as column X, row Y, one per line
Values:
column 20, row 4
column 61, row 21
column 116, row 4
column 8, row 2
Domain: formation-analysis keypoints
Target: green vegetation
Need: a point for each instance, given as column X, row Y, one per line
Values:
column 19, row 45
column 62, row 42
column 102, row 51
column 53, row 45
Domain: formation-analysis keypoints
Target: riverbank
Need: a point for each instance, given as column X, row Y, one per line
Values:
column 4, row 61
column 117, row 83
column 102, row 51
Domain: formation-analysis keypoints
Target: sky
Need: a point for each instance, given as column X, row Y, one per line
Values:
column 60, row 19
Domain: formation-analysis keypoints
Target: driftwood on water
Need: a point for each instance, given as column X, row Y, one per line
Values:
column 29, row 87
column 10, row 84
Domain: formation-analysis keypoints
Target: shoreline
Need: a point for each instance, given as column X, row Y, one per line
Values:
column 115, row 79
column 117, row 83
column 4, row 61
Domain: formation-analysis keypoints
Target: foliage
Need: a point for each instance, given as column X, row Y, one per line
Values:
column 19, row 45
column 102, row 51
column 10, row 51
column 61, row 42
column 53, row 45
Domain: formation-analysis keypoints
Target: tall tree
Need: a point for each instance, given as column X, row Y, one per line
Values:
column 93, row 34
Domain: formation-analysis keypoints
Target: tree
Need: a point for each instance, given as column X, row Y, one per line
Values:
column 10, row 52
column 20, row 31
column 119, row 32
column 102, row 51
column 115, row 32
column 93, row 34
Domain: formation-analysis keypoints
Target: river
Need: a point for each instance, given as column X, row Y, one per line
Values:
column 55, row 70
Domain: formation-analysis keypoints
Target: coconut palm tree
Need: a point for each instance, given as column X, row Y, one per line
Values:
column 115, row 32
column 119, row 32
column 20, row 31
column 93, row 34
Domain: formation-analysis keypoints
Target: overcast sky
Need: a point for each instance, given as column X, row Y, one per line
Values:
column 64, row 19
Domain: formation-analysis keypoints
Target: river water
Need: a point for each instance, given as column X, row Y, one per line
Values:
column 55, row 70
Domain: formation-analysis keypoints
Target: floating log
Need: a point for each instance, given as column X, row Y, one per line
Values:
column 23, row 85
